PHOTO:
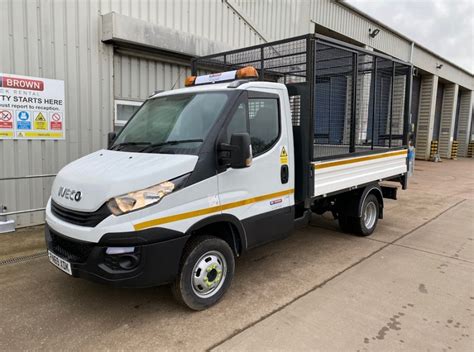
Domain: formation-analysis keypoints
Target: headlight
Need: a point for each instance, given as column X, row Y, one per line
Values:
column 145, row 197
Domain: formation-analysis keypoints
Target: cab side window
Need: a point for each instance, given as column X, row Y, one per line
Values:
column 264, row 121
column 238, row 123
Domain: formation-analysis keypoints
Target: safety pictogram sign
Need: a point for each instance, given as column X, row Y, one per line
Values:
column 6, row 119
column 56, row 121
column 23, row 120
column 40, row 122
column 283, row 156
column 28, row 105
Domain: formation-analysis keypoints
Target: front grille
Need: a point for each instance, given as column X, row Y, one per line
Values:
column 69, row 249
column 89, row 219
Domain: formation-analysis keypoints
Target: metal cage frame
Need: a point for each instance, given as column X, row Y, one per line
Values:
column 298, row 59
column 301, row 63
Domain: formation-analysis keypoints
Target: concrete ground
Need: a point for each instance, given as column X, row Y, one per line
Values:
column 409, row 286
column 24, row 242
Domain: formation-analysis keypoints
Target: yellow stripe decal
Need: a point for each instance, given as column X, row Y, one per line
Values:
column 205, row 211
column 357, row 160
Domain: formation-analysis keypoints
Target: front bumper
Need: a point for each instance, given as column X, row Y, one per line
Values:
column 157, row 255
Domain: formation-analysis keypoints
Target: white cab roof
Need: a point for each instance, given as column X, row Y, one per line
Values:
column 220, row 86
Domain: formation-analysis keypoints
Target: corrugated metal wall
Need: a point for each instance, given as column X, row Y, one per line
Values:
column 338, row 18
column 425, row 123
column 61, row 39
column 415, row 99
column 54, row 39
column 426, row 61
column 438, row 110
column 466, row 100
column 276, row 19
column 136, row 78
column 448, row 112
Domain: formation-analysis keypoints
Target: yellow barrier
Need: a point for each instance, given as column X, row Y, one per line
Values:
column 454, row 150
column 433, row 149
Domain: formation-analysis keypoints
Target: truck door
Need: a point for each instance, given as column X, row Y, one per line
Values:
column 261, row 196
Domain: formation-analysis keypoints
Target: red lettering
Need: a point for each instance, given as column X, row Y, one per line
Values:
column 22, row 83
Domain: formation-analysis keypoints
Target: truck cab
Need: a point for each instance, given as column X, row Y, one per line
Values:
column 198, row 176
column 214, row 159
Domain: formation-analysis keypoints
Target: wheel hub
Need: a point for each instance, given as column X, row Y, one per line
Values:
column 214, row 274
column 209, row 274
column 370, row 215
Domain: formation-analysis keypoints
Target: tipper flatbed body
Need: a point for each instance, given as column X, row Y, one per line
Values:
column 261, row 138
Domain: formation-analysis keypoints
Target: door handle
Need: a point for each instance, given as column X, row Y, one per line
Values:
column 284, row 174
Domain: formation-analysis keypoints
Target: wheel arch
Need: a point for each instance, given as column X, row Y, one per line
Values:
column 350, row 203
column 376, row 190
column 225, row 226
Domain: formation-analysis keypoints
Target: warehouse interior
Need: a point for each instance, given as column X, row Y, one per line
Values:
column 112, row 55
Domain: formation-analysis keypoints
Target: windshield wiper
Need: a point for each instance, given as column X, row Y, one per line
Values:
column 124, row 144
column 157, row 145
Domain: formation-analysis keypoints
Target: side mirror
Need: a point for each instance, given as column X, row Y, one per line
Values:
column 111, row 138
column 240, row 151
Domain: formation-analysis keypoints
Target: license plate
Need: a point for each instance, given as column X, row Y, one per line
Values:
column 60, row 263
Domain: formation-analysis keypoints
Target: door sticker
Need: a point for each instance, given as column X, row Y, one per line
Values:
column 279, row 202
column 276, row 201
column 213, row 200
column 283, row 156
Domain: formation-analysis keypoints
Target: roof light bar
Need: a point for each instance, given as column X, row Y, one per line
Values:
column 189, row 81
column 245, row 72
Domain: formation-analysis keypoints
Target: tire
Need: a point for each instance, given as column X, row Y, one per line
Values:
column 206, row 272
column 365, row 224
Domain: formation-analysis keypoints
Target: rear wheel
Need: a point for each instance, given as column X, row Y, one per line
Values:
column 370, row 215
column 206, row 272
column 367, row 222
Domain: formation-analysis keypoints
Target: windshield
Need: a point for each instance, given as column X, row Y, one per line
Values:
column 176, row 124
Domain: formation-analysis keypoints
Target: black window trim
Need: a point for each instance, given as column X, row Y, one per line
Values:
column 222, row 134
column 263, row 95
column 242, row 99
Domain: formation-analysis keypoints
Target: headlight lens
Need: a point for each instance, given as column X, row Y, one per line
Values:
column 145, row 197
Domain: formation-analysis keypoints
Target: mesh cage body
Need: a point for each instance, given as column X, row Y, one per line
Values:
column 361, row 102
column 283, row 61
column 357, row 100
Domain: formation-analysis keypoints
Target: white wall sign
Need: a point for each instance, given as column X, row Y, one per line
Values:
column 31, row 108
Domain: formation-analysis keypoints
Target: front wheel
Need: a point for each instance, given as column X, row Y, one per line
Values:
column 206, row 272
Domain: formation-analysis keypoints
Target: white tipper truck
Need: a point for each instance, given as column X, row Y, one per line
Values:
column 237, row 158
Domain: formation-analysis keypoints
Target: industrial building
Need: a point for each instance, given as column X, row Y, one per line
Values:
column 112, row 54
